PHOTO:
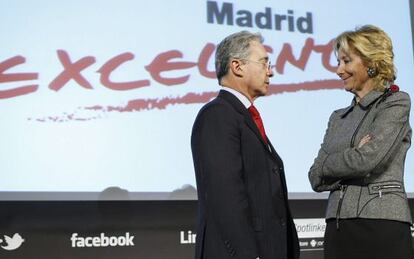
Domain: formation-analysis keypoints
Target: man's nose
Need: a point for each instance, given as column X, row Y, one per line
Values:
column 270, row 71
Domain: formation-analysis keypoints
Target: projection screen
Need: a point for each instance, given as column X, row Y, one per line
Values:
column 98, row 98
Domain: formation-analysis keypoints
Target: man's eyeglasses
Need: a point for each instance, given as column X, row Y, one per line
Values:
column 265, row 64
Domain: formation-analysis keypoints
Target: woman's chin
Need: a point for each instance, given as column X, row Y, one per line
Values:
column 348, row 89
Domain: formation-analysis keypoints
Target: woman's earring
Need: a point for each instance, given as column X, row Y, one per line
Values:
column 371, row 72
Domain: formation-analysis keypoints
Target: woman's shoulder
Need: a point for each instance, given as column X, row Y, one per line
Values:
column 399, row 97
column 342, row 111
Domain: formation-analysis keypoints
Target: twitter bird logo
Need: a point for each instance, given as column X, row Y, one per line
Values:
column 12, row 243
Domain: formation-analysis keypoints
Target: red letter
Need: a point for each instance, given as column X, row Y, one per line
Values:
column 287, row 55
column 203, row 59
column 12, row 77
column 161, row 63
column 114, row 63
column 326, row 51
column 71, row 71
column 268, row 48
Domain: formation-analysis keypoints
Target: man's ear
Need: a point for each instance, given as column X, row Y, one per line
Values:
column 236, row 67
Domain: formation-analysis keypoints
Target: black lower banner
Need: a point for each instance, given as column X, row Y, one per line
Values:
column 125, row 229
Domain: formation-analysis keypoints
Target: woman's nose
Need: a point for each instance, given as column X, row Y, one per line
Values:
column 340, row 70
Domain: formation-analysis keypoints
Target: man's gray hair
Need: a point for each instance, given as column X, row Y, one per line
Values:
column 234, row 46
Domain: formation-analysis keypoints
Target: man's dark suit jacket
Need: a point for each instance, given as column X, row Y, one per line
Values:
column 242, row 197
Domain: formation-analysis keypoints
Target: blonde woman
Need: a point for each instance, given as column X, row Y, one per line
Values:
column 361, row 159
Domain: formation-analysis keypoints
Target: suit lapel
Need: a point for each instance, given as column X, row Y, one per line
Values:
column 252, row 125
column 275, row 154
column 239, row 107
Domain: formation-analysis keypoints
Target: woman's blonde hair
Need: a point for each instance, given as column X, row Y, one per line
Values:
column 374, row 47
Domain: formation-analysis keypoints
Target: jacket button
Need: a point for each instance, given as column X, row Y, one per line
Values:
column 275, row 169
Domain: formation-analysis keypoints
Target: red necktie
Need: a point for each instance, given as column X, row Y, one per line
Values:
column 258, row 120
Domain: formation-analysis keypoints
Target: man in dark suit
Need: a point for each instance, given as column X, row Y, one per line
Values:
column 243, row 209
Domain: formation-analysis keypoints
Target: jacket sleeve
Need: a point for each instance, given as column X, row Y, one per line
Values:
column 319, row 183
column 387, row 131
column 216, row 147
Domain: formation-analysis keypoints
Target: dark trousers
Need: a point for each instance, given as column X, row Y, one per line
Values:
column 368, row 238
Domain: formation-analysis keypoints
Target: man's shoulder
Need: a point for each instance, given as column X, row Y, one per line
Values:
column 217, row 105
column 218, row 112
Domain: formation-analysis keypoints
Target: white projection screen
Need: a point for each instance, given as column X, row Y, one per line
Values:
column 98, row 98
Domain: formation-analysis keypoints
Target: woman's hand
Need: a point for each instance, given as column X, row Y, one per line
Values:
column 364, row 140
